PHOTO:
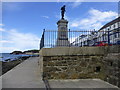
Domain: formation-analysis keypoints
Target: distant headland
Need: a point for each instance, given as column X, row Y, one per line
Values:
column 28, row 52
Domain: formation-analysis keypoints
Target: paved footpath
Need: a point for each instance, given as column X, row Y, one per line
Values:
column 84, row 84
column 25, row 75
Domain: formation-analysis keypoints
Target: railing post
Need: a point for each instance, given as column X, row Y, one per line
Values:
column 42, row 40
column 43, row 37
column 69, row 37
column 108, row 37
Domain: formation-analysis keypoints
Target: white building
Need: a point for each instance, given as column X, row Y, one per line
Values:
column 110, row 33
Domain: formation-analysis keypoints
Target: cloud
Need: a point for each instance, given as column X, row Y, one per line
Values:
column 76, row 3
column 5, row 41
column 8, row 49
column 1, row 29
column 72, row 39
column 12, row 6
column 94, row 20
column 1, row 24
column 58, row 1
column 45, row 17
column 15, row 40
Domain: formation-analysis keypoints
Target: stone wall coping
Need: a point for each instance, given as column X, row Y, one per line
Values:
column 72, row 51
column 79, row 50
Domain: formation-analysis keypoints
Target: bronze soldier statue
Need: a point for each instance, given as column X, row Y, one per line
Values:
column 63, row 11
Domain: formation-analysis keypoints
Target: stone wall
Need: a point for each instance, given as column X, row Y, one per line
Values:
column 73, row 67
column 82, row 63
column 112, row 63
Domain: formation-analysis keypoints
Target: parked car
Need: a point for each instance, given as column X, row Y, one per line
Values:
column 117, row 43
column 102, row 43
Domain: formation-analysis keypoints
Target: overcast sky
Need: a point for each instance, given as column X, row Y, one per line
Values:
column 23, row 23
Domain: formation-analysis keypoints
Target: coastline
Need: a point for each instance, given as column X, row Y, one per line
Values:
column 6, row 66
column 6, row 57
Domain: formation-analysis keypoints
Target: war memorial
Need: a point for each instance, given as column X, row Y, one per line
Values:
column 66, row 65
column 62, row 39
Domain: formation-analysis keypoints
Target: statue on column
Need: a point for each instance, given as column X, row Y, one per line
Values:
column 63, row 11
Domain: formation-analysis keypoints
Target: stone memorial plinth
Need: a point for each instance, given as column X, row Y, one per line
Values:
column 62, row 37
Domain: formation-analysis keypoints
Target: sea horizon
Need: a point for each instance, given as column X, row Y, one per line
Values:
column 10, row 57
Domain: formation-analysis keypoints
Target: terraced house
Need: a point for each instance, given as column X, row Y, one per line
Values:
column 108, row 33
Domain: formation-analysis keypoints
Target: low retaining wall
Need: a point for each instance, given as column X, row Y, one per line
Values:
column 73, row 67
column 79, row 63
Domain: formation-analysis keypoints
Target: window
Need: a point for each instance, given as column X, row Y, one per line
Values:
column 115, row 35
column 110, row 37
column 110, row 27
column 114, row 26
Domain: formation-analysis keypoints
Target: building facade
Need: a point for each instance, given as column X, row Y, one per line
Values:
column 110, row 33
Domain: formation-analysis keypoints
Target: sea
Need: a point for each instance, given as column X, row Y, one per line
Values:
column 10, row 57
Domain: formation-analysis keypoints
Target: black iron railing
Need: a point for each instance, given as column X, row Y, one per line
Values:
column 75, row 38
column 42, row 40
